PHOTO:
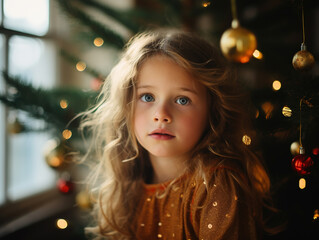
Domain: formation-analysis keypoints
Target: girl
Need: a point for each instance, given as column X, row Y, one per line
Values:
column 167, row 136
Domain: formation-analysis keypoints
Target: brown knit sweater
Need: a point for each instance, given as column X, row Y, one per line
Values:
column 215, row 210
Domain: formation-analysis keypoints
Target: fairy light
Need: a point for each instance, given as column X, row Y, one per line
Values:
column 302, row 183
column 267, row 107
column 206, row 4
column 257, row 114
column 61, row 223
column 67, row 134
column 257, row 54
column 98, row 42
column 246, row 140
column 63, row 104
column 55, row 161
column 316, row 214
column 276, row 85
column 80, row 66
column 286, row 111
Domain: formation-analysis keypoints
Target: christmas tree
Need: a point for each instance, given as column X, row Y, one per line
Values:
column 281, row 79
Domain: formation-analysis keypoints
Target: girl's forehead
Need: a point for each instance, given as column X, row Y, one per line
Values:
column 161, row 71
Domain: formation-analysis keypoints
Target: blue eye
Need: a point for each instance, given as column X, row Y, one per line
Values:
column 147, row 98
column 183, row 100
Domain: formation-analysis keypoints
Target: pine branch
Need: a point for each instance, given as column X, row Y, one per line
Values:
column 119, row 16
column 45, row 104
column 108, row 35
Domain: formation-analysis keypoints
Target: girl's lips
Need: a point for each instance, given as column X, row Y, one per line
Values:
column 161, row 134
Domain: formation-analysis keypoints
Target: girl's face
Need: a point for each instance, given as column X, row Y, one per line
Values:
column 171, row 111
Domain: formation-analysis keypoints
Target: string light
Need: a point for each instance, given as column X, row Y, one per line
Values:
column 257, row 54
column 61, row 223
column 63, row 104
column 257, row 114
column 302, row 183
column 98, row 42
column 246, row 140
column 206, row 4
column 286, row 111
column 267, row 107
column 276, row 85
column 80, row 66
column 67, row 134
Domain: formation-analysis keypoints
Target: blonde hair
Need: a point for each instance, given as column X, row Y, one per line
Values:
column 120, row 162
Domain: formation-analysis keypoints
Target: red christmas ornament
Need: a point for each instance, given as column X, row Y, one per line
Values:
column 64, row 186
column 302, row 164
column 96, row 84
column 315, row 151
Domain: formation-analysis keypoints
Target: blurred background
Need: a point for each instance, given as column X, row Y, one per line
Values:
column 55, row 54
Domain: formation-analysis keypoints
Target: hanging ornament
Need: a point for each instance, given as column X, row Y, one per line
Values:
column 315, row 151
column 57, row 154
column 96, row 83
column 64, row 184
column 303, row 60
column 83, row 200
column 295, row 148
column 15, row 127
column 302, row 163
column 237, row 43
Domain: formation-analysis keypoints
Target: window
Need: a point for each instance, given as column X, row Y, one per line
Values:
column 27, row 52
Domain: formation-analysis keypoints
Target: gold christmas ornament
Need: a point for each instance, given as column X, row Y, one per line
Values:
column 83, row 200
column 303, row 60
column 15, row 127
column 56, row 154
column 237, row 43
column 295, row 148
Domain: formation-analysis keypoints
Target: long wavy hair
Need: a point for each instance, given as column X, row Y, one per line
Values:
column 121, row 164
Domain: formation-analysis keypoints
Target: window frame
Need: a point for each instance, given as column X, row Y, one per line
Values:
column 21, row 213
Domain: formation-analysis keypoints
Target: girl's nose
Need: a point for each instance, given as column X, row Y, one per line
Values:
column 162, row 115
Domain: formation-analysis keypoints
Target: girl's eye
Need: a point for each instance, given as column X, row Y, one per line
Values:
column 183, row 100
column 147, row 98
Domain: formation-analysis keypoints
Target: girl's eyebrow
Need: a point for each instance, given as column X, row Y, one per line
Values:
column 189, row 90
column 184, row 89
column 144, row 86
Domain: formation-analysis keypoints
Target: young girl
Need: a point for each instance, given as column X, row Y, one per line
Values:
column 167, row 135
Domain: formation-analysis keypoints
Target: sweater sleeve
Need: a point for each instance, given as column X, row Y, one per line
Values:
column 219, row 209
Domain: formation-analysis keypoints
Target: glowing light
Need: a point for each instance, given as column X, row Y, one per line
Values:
column 80, row 66
column 244, row 59
column 55, row 162
column 276, row 85
column 257, row 113
column 63, row 104
column 257, row 54
column 246, row 140
column 98, row 42
column 61, row 223
column 302, row 183
column 316, row 214
column 67, row 134
column 286, row 111
column 267, row 108
column 206, row 4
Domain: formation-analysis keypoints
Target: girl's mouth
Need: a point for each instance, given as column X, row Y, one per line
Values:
column 161, row 134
